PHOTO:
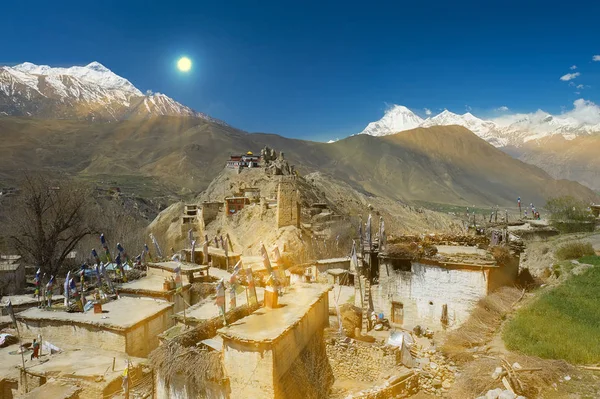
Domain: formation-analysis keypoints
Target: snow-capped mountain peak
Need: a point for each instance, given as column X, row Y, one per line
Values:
column 396, row 119
column 509, row 129
column 90, row 92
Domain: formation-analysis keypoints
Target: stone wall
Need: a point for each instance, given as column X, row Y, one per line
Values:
column 425, row 289
column 288, row 204
column 355, row 360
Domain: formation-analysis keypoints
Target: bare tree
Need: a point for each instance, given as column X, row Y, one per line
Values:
column 49, row 220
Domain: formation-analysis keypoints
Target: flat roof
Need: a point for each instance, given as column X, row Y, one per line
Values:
column 221, row 252
column 152, row 283
column 332, row 260
column 18, row 300
column 207, row 309
column 267, row 325
column 172, row 265
column 121, row 314
column 53, row 389
column 460, row 250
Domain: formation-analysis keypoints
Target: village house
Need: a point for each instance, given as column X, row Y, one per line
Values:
column 436, row 289
column 235, row 204
column 129, row 325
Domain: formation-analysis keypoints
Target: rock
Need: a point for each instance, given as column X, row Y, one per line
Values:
column 433, row 365
column 437, row 383
column 507, row 395
column 446, row 384
column 497, row 372
column 493, row 394
column 516, row 366
column 567, row 378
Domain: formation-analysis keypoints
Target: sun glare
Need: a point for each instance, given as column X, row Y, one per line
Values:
column 184, row 64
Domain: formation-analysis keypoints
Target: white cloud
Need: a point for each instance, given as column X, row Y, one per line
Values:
column 427, row 111
column 573, row 67
column 577, row 92
column 596, row 58
column 584, row 111
column 468, row 108
column 503, row 108
column 580, row 86
column 569, row 76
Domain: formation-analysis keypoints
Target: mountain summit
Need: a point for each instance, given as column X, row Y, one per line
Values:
column 507, row 130
column 91, row 92
column 396, row 119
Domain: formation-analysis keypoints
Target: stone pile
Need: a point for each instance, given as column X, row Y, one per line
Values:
column 361, row 361
column 436, row 374
column 500, row 394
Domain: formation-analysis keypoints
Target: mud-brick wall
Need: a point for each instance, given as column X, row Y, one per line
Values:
column 257, row 369
column 360, row 361
column 143, row 337
column 74, row 333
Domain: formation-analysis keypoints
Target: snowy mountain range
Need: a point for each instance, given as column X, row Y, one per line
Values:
column 514, row 129
column 90, row 92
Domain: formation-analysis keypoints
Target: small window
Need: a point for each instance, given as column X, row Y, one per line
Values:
column 403, row 265
column 430, row 303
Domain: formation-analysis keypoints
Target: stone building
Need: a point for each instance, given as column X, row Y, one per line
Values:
column 248, row 160
column 288, row 203
column 12, row 277
column 438, row 289
column 235, row 204
column 261, row 351
column 129, row 325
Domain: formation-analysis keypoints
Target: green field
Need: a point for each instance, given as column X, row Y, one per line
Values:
column 563, row 323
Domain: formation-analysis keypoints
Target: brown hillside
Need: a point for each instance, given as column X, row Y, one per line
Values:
column 183, row 155
column 575, row 159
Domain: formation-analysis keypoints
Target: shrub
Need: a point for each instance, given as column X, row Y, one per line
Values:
column 574, row 250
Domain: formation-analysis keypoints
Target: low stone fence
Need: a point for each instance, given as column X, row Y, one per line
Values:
column 356, row 360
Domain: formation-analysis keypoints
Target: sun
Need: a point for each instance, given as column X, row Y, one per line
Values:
column 184, row 64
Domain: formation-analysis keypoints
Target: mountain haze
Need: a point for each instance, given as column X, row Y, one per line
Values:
column 439, row 164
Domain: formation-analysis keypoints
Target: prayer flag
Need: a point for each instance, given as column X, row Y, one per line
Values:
column 353, row 258
column 368, row 232
column 252, row 299
column 220, row 301
column 155, row 242
column 105, row 246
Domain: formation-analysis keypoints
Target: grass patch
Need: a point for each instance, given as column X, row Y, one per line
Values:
column 563, row 323
column 574, row 250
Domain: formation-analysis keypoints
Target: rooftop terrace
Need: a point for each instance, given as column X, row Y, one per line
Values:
column 266, row 324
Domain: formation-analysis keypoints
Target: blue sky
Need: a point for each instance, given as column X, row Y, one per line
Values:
column 322, row 69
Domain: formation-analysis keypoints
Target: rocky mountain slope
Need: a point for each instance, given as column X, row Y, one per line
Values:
column 575, row 159
column 513, row 130
column 448, row 165
column 91, row 92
